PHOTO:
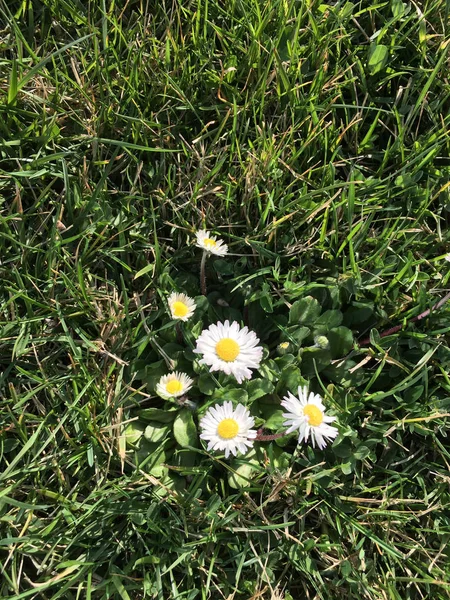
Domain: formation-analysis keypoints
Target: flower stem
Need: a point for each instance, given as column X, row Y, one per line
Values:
column 179, row 333
column 422, row 315
column 203, row 274
column 260, row 437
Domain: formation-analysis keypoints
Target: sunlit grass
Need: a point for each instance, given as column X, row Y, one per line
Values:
column 313, row 138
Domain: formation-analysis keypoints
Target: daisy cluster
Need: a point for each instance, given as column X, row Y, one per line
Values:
column 235, row 351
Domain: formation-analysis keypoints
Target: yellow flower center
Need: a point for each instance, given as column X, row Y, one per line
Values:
column 314, row 414
column 179, row 309
column 228, row 429
column 284, row 345
column 174, row 386
column 208, row 243
column 227, row 349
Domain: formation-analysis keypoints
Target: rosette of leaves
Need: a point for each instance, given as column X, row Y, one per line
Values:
column 316, row 337
column 162, row 440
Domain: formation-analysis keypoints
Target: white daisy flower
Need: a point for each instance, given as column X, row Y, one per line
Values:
column 447, row 257
column 227, row 429
column 173, row 385
column 181, row 306
column 210, row 243
column 230, row 349
column 307, row 414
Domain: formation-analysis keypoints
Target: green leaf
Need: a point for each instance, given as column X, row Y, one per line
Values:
column 257, row 388
column 279, row 459
column 223, row 267
column 314, row 359
column 291, row 378
column 186, row 459
column 341, row 341
column 155, row 432
column 347, row 467
column 144, row 270
column 397, row 8
column 275, row 420
column 328, row 320
column 295, row 334
column 158, row 414
column 266, row 303
column 362, row 452
column 413, row 394
column 184, row 429
column 243, row 472
column 206, row 384
column 378, row 57
column 269, row 369
column 305, row 310
column 344, row 449
column 133, row 432
column 152, row 457
column 235, row 395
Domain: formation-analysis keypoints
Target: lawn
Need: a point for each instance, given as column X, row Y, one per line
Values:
column 312, row 138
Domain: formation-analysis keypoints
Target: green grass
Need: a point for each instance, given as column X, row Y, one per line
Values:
column 314, row 139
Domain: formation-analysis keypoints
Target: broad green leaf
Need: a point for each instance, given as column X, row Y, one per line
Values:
column 184, row 429
column 257, row 388
column 243, row 472
column 295, row 334
column 378, row 57
column 314, row 359
column 223, row 267
column 398, row 8
column 328, row 320
column 413, row 393
column 341, row 341
column 151, row 457
column 280, row 460
column 361, row 452
column 235, row 395
column 344, row 449
column 348, row 467
column 155, row 432
column 275, row 420
column 269, row 369
column 284, row 361
column 158, row 414
column 291, row 378
column 186, row 459
column 305, row 311
column 133, row 432
column 206, row 384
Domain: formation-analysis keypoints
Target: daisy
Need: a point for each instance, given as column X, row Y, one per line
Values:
column 210, row 243
column 228, row 429
column 307, row 414
column 230, row 349
column 181, row 306
column 173, row 385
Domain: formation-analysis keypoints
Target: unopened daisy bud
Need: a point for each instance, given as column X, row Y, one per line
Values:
column 322, row 342
column 173, row 385
column 283, row 348
column 181, row 306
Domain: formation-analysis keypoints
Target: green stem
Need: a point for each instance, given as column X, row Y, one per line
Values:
column 203, row 274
